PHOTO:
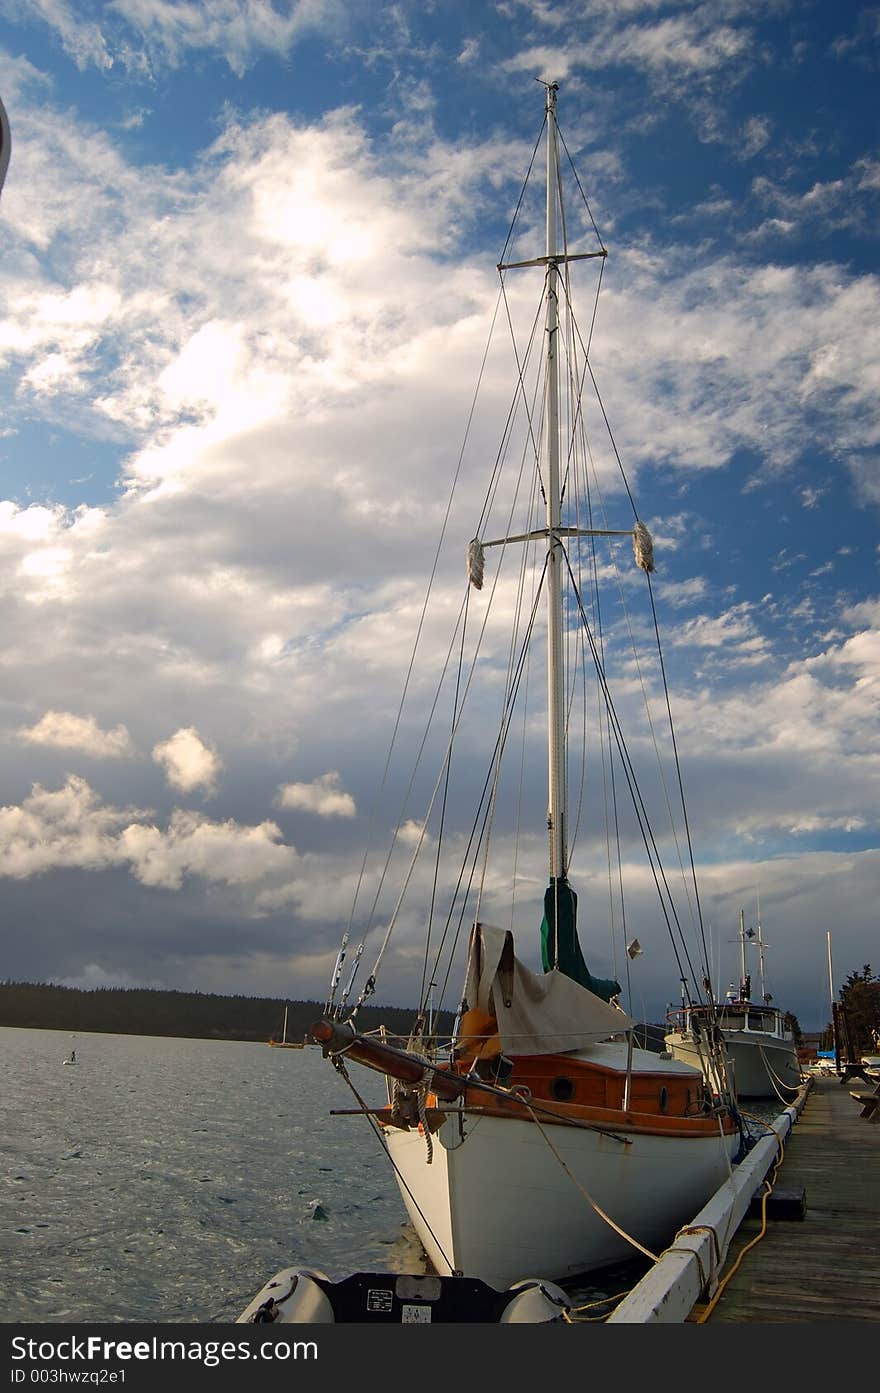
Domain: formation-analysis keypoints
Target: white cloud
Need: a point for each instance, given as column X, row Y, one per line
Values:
column 189, row 762
column 71, row 828
column 755, row 136
column 733, row 630
column 323, row 796
column 64, row 730
column 220, row 853
column 811, row 495
column 686, row 44
column 82, row 38
column 410, row 833
column 825, row 205
column 683, row 592
column 67, row 827
column 241, row 30
column 258, row 571
column 140, row 35
column 821, row 713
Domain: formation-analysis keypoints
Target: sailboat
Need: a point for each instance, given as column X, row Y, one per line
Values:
column 760, row 1046
column 537, row 1139
column 284, row 1043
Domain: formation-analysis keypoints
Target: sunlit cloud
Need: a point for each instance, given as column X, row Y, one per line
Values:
column 189, row 762
column 254, row 347
column 323, row 796
column 72, row 828
column 64, row 730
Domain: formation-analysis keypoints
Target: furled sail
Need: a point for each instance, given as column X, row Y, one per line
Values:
column 559, row 941
column 548, row 1014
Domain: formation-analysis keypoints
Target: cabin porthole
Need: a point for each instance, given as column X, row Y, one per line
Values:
column 664, row 1098
column 562, row 1090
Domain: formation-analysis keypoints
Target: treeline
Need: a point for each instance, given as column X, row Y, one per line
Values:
column 196, row 1015
column 860, row 999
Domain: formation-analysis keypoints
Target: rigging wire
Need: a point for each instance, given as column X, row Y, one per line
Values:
column 577, row 181
column 339, row 1065
column 416, row 642
column 369, row 986
column 574, row 406
column 646, row 701
column 502, row 733
column 522, row 192
column 392, row 744
column 635, row 793
column 443, row 805
column 511, row 661
column 487, row 505
column 678, row 773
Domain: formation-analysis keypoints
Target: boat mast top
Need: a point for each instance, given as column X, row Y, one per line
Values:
column 556, row 806
column 745, row 981
column 761, row 946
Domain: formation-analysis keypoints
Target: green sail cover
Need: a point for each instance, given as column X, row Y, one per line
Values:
column 560, row 898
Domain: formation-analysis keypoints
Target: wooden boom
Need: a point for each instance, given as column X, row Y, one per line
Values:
column 387, row 1059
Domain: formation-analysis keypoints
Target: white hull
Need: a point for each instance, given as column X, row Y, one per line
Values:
column 762, row 1067
column 497, row 1204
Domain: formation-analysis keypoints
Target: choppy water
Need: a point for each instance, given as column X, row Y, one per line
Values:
column 166, row 1180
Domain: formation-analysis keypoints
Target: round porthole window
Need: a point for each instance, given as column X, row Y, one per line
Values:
column 664, row 1099
column 562, row 1090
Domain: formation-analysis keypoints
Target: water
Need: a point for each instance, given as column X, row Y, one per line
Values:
column 164, row 1180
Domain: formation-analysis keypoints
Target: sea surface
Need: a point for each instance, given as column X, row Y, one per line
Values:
column 166, row 1180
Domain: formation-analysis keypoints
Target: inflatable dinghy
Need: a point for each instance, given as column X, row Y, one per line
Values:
column 305, row 1296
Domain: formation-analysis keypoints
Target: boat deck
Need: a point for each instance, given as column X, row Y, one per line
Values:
column 826, row 1266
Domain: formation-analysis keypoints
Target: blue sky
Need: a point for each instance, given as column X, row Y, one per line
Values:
column 247, row 271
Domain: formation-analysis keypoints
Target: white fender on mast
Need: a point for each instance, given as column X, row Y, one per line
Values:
column 5, row 143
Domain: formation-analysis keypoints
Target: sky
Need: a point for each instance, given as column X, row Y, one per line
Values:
column 247, row 267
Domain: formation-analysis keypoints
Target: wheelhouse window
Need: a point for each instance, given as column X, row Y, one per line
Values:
column 732, row 1019
column 764, row 1021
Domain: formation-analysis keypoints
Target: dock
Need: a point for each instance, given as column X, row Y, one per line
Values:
column 817, row 1256
column 826, row 1265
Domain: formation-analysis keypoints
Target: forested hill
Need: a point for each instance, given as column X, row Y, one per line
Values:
column 197, row 1015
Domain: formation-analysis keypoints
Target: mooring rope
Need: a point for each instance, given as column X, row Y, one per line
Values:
column 341, row 1069
column 775, row 1080
column 586, row 1194
column 768, row 1184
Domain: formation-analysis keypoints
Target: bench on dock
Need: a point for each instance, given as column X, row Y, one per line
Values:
column 870, row 1101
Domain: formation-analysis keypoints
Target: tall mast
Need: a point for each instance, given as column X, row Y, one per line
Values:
column 556, row 815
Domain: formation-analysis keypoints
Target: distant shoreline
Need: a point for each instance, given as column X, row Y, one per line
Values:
column 176, row 1014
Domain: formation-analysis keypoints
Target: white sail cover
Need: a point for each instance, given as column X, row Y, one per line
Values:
column 546, row 1014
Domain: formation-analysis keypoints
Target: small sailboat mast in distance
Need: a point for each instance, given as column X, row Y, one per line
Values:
column 284, row 1043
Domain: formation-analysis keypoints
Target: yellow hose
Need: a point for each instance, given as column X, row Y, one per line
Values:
column 707, row 1311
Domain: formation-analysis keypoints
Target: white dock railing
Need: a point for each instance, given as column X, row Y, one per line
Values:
column 691, row 1268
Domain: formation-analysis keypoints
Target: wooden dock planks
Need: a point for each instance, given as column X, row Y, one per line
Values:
column 826, row 1266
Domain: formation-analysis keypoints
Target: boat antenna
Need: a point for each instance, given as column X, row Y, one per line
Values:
column 765, row 997
column 745, row 981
